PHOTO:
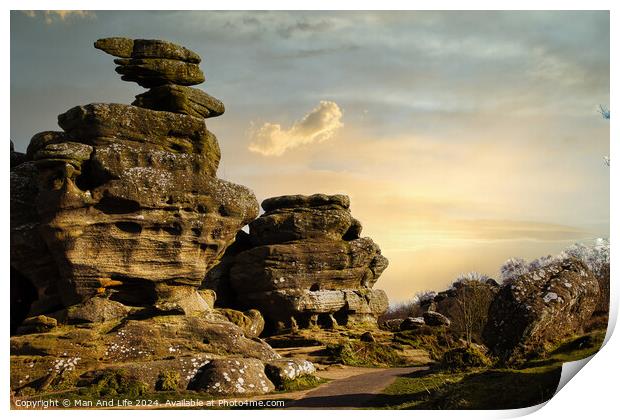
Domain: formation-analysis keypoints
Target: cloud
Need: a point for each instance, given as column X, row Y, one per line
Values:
column 51, row 16
column 305, row 27
column 317, row 126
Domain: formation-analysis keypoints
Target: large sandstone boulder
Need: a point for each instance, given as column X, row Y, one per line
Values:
column 115, row 222
column 279, row 371
column 234, row 376
column 435, row 319
column 180, row 99
column 145, row 348
column 539, row 307
column 152, row 62
column 307, row 265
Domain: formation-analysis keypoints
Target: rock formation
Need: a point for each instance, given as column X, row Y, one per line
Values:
column 540, row 307
column 115, row 222
column 466, row 305
column 308, row 265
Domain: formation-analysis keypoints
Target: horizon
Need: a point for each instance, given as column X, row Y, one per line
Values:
column 462, row 138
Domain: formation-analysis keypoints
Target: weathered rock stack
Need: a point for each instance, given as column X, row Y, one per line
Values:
column 114, row 223
column 128, row 199
column 540, row 307
column 308, row 265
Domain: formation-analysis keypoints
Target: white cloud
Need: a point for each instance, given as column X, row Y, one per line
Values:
column 51, row 16
column 318, row 125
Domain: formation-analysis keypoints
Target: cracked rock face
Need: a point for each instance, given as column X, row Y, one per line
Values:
column 308, row 265
column 128, row 200
column 539, row 307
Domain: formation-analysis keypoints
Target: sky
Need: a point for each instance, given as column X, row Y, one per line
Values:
column 462, row 138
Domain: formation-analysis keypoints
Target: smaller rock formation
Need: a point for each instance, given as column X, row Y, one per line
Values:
column 465, row 304
column 540, row 307
column 232, row 377
column 251, row 322
column 435, row 319
column 307, row 265
column 409, row 323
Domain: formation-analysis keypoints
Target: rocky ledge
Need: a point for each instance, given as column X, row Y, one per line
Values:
column 307, row 265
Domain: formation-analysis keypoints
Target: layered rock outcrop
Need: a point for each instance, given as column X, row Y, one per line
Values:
column 540, row 307
column 127, row 200
column 115, row 222
column 466, row 304
column 308, row 265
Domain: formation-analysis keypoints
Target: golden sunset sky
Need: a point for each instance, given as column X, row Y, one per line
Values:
column 462, row 138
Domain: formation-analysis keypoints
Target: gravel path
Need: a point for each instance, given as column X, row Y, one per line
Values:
column 352, row 392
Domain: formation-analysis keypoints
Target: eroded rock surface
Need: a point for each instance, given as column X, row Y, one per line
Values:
column 233, row 377
column 308, row 265
column 540, row 307
column 115, row 222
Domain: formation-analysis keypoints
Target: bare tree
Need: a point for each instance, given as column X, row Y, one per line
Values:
column 472, row 304
column 606, row 115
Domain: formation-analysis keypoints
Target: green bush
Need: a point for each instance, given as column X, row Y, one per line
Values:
column 117, row 383
column 464, row 358
column 168, row 381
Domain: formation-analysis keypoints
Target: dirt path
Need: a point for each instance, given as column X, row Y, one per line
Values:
column 352, row 392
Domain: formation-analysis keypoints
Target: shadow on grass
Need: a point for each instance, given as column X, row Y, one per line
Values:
column 484, row 390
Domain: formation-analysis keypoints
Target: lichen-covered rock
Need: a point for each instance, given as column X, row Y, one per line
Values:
column 251, row 322
column 135, row 207
column 95, row 309
column 146, row 48
column 393, row 324
column 305, row 201
column 37, row 324
column 131, row 136
column 307, row 265
column 182, row 100
column 233, row 376
column 310, row 308
column 410, row 323
column 539, row 307
column 435, row 319
column 151, row 72
column 291, row 218
column 141, row 347
column 114, row 224
column 153, row 63
column 287, row 369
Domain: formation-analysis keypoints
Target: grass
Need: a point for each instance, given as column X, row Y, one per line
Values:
column 488, row 388
column 362, row 354
column 434, row 341
column 464, row 358
column 301, row 383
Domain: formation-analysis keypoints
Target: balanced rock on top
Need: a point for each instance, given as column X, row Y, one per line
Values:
column 168, row 69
